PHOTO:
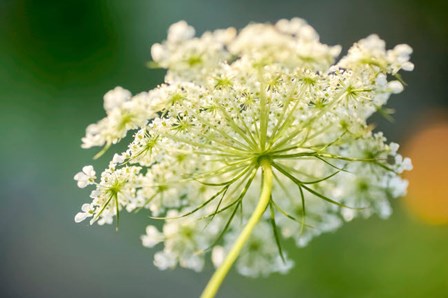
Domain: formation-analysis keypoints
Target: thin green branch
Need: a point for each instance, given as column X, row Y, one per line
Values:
column 218, row 277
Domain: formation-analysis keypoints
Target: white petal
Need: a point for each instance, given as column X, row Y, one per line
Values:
column 218, row 255
column 157, row 52
column 163, row 260
column 89, row 171
column 80, row 216
column 86, row 207
column 408, row 66
column 180, row 31
column 395, row 87
column 79, row 176
column 82, row 183
column 152, row 237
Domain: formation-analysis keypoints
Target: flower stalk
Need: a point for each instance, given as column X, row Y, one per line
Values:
column 218, row 277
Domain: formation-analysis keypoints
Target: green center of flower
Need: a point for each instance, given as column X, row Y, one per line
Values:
column 263, row 157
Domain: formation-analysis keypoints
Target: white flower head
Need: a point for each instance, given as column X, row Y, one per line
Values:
column 255, row 137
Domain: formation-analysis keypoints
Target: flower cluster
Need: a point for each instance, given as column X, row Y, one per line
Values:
column 234, row 106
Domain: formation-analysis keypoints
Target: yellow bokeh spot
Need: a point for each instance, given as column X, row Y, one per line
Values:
column 428, row 182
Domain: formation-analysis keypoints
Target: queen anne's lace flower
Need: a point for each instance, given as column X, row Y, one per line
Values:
column 263, row 109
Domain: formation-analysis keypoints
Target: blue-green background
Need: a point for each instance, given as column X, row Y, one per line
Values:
column 58, row 58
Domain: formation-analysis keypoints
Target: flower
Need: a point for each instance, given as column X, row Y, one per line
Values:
column 85, row 177
column 253, row 138
column 86, row 211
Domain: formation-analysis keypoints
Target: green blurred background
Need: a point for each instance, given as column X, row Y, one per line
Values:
column 58, row 58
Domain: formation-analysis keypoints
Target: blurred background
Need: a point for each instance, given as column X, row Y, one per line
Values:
column 58, row 58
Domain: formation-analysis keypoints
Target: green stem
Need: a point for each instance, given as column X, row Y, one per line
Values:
column 219, row 275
